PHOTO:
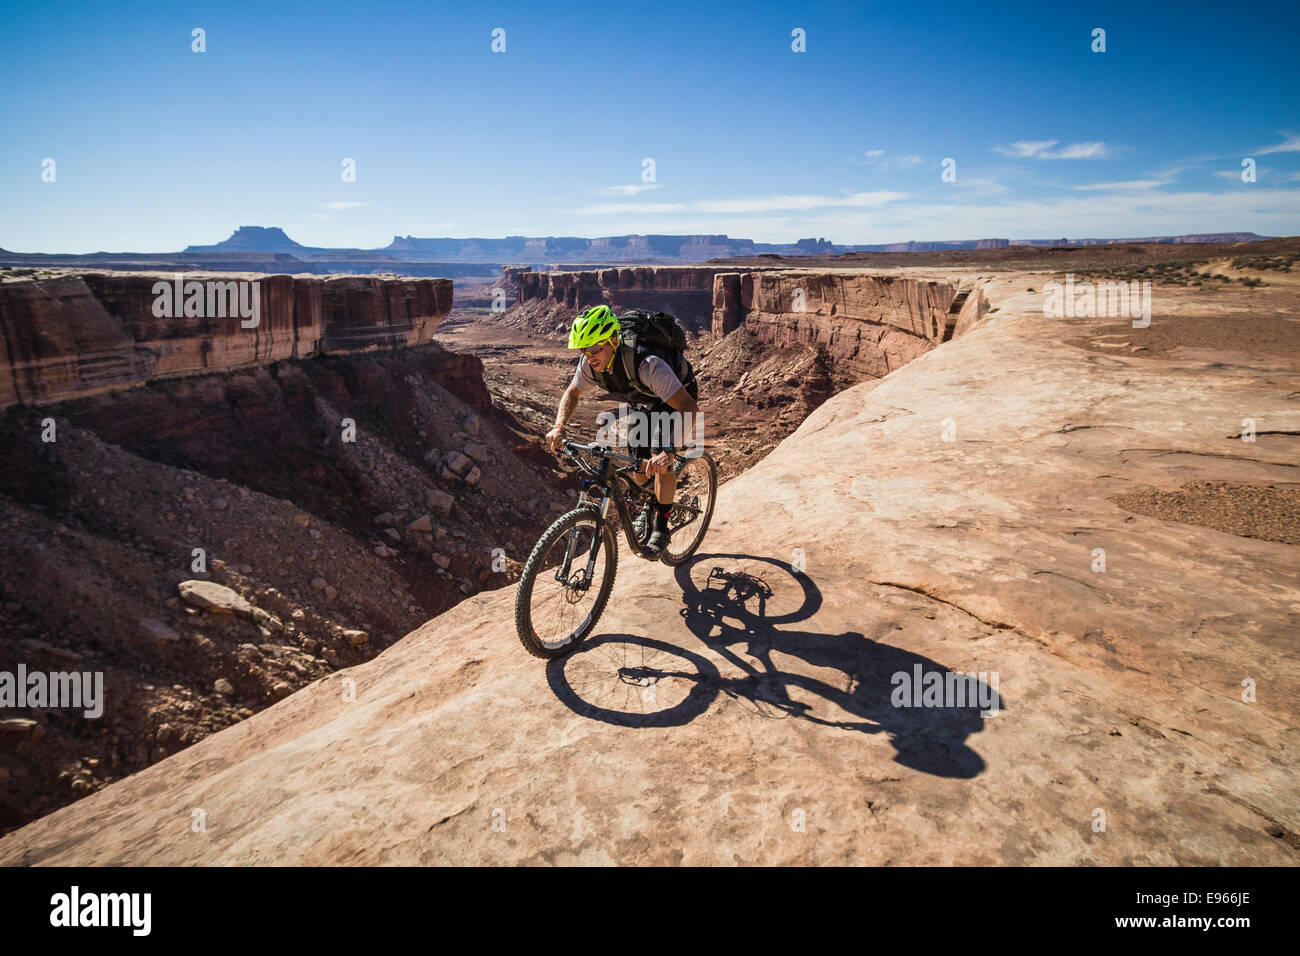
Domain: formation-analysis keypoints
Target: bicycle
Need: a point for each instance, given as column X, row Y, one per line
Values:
column 549, row 606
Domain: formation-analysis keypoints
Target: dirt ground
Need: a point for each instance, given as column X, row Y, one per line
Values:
column 1252, row 511
column 1237, row 332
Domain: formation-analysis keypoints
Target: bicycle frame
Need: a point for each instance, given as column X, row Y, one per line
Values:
column 610, row 480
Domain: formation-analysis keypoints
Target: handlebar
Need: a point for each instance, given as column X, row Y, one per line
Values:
column 595, row 448
column 571, row 448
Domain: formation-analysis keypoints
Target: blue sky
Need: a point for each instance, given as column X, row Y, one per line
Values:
column 156, row 146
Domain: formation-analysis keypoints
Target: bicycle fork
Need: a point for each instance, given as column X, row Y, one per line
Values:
column 562, row 575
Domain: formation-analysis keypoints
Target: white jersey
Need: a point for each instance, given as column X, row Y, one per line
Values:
column 654, row 371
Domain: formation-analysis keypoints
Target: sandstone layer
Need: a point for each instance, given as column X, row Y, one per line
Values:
column 868, row 324
column 684, row 291
column 745, row 708
column 81, row 334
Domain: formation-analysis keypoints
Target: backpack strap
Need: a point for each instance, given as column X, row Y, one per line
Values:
column 631, row 360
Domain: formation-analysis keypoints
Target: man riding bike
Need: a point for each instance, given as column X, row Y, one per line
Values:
column 653, row 388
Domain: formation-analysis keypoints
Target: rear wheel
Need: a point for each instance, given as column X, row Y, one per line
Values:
column 555, row 612
column 697, row 486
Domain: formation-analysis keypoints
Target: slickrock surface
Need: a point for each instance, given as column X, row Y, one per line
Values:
column 78, row 335
column 956, row 516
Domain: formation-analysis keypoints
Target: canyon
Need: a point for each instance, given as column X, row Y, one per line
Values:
column 139, row 436
column 1063, row 512
column 360, row 590
column 339, row 472
column 867, row 324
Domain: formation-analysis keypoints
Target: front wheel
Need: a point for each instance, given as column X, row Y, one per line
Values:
column 559, row 600
column 697, row 486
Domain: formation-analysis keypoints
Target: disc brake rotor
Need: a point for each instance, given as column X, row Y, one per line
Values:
column 575, row 587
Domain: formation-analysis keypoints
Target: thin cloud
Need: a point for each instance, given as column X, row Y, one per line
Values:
column 1128, row 185
column 976, row 184
column 1261, row 173
column 1042, row 149
column 1079, row 151
column 1289, row 145
column 1026, row 148
column 741, row 206
column 876, row 157
column 1259, row 209
column 344, row 204
column 631, row 190
column 1177, row 168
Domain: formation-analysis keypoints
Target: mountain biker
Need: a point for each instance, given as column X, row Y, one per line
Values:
column 655, row 389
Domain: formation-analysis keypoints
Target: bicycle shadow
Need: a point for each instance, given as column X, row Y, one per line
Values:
column 741, row 608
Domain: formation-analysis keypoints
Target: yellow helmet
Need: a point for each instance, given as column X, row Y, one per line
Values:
column 594, row 325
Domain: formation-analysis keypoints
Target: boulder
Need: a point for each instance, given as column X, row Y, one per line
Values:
column 214, row 597
column 458, row 462
column 439, row 501
column 158, row 631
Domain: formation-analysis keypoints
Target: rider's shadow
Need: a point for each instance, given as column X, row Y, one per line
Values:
column 743, row 610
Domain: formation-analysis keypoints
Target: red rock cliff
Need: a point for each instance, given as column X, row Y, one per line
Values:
column 868, row 324
column 81, row 334
column 684, row 291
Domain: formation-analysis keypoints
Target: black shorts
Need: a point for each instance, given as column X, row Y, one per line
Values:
column 661, row 426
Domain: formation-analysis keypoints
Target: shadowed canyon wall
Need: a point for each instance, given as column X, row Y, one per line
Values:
column 868, row 324
column 683, row 291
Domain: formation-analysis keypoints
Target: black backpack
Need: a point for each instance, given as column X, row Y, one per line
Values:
column 648, row 333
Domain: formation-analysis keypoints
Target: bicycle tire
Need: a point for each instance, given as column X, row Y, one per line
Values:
column 674, row 560
column 528, row 636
